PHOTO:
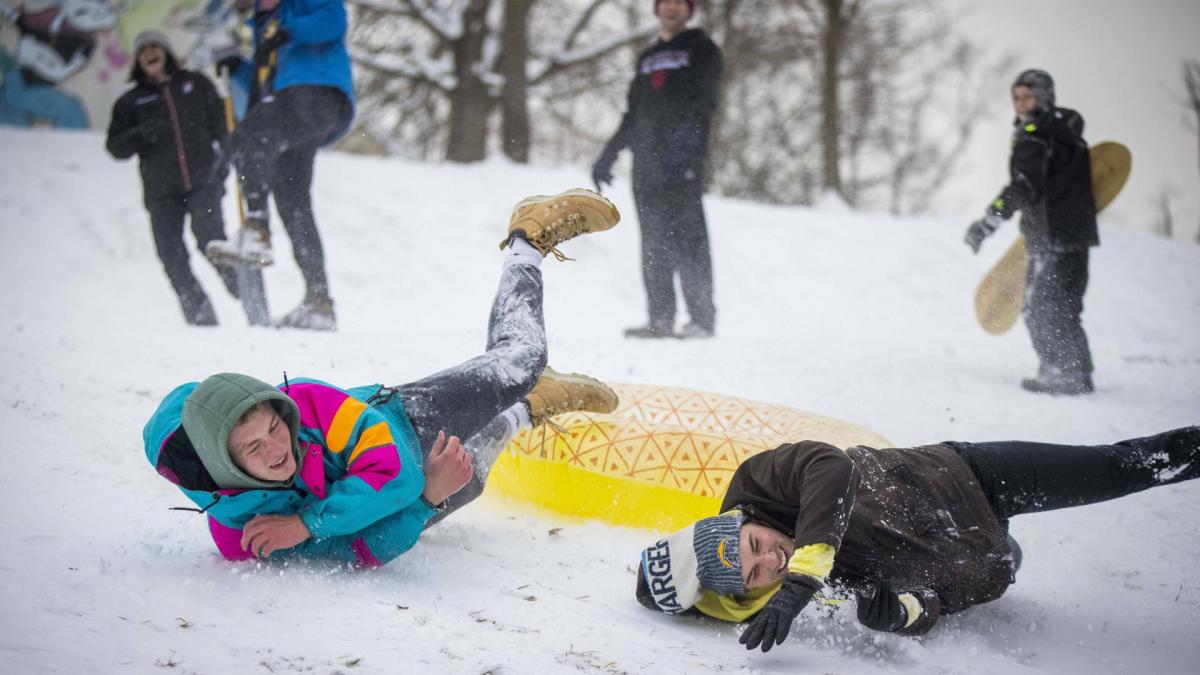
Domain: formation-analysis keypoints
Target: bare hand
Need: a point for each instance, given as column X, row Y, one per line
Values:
column 266, row 534
column 447, row 469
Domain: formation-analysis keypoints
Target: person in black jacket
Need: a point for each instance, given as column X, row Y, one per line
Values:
column 671, row 103
column 1051, row 185
column 174, row 121
column 916, row 532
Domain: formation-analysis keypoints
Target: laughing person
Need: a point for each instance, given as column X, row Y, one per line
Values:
column 915, row 532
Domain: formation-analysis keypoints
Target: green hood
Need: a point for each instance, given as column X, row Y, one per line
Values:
column 212, row 410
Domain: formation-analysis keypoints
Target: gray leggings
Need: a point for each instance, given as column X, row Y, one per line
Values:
column 468, row 399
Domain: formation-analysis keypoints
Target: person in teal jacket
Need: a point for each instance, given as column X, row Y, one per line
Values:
column 300, row 98
column 355, row 475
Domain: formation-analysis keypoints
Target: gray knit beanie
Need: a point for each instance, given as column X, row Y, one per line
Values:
column 151, row 37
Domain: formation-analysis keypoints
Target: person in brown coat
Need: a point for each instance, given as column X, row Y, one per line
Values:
column 915, row 532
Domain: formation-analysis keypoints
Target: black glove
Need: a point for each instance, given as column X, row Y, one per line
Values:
column 771, row 625
column 275, row 40
column 980, row 230
column 602, row 170
column 150, row 127
column 881, row 609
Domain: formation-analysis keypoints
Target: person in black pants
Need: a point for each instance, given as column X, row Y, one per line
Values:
column 300, row 98
column 174, row 121
column 916, row 532
column 671, row 103
column 1051, row 185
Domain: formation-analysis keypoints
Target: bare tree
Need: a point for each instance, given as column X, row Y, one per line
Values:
column 889, row 134
column 1165, row 225
column 918, row 92
column 1191, row 83
column 832, row 22
column 465, row 58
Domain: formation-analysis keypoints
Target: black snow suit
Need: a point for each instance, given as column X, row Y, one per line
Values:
column 177, row 131
column 1051, row 184
column 933, row 520
column 671, row 101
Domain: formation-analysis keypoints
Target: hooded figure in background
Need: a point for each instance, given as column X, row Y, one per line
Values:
column 174, row 121
column 1051, row 185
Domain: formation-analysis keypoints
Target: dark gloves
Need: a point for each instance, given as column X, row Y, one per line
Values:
column 980, row 230
column 278, row 38
column 149, row 128
column 602, row 170
column 881, row 609
column 771, row 625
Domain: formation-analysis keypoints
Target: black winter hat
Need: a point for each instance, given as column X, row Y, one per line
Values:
column 1041, row 84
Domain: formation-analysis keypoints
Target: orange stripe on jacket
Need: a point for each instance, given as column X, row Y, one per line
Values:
column 373, row 437
column 343, row 423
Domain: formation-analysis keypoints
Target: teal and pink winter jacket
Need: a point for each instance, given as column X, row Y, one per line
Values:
column 359, row 484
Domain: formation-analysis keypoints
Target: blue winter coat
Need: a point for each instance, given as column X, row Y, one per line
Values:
column 316, row 52
column 358, row 488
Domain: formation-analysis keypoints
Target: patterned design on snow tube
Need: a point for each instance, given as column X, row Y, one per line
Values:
column 663, row 459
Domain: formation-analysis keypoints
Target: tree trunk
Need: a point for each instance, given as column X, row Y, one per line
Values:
column 1191, row 81
column 514, row 43
column 831, row 52
column 470, row 104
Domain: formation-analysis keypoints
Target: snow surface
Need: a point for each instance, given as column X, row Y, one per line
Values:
column 857, row 316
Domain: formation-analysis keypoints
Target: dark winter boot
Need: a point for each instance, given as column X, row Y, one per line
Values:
column 694, row 330
column 1057, row 382
column 201, row 315
column 652, row 330
column 312, row 314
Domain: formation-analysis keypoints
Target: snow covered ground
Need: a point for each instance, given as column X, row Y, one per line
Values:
column 856, row 316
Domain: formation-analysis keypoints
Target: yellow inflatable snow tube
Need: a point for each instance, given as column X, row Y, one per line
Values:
column 661, row 460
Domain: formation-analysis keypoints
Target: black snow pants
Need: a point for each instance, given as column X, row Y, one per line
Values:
column 1019, row 477
column 675, row 241
column 274, row 148
column 1054, row 286
column 467, row 400
column 167, row 215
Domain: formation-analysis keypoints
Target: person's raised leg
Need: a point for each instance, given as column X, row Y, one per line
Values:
column 463, row 399
column 1021, row 477
column 293, row 197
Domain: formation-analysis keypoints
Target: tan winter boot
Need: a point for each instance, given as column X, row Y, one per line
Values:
column 556, row 393
column 548, row 221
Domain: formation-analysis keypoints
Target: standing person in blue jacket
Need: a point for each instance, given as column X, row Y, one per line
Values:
column 311, row 470
column 174, row 121
column 671, row 103
column 301, row 97
column 1051, row 185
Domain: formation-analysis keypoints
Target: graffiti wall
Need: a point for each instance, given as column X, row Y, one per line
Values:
column 64, row 62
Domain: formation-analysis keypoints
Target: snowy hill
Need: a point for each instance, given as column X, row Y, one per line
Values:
column 855, row 316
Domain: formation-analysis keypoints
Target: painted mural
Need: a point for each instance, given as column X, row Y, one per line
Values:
column 64, row 62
